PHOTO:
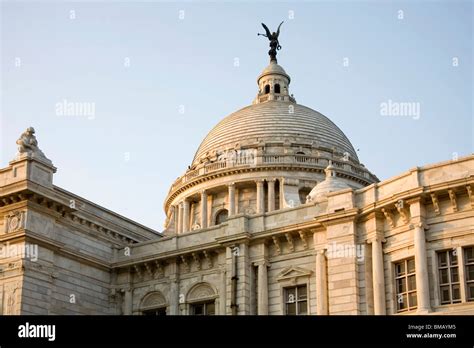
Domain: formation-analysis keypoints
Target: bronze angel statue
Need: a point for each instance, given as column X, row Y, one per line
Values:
column 273, row 37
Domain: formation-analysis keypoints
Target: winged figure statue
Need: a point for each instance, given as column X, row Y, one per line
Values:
column 273, row 37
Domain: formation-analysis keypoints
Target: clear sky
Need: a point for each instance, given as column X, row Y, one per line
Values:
column 143, row 63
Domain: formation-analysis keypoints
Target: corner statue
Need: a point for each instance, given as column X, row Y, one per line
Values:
column 27, row 143
column 274, row 44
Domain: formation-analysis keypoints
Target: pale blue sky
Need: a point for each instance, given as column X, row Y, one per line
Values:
column 190, row 62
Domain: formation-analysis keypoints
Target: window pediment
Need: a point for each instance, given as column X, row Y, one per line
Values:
column 293, row 273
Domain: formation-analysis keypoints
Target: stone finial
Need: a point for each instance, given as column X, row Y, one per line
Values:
column 27, row 143
column 329, row 170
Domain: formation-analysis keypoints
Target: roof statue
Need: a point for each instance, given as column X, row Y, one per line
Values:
column 274, row 44
column 28, row 144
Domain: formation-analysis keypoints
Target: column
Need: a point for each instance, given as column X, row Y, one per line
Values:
column 180, row 218
column 127, row 310
column 462, row 271
column 271, row 194
column 175, row 217
column 282, row 195
column 203, row 209
column 231, row 197
column 321, row 283
column 421, row 268
column 378, row 277
column 262, row 288
column 185, row 215
column 260, row 197
column 223, row 297
column 174, row 288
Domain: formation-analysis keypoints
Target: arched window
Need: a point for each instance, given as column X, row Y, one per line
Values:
column 267, row 89
column 303, row 192
column 153, row 303
column 222, row 216
column 277, row 88
column 202, row 300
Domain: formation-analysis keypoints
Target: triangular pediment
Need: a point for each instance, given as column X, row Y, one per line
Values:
column 294, row 272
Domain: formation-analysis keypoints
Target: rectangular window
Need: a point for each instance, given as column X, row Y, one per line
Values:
column 448, row 271
column 296, row 300
column 405, row 282
column 203, row 308
column 469, row 262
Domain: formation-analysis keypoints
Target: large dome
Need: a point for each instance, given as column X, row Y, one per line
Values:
column 273, row 151
column 275, row 121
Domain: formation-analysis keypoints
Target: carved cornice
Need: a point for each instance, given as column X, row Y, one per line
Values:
column 338, row 217
column 60, row 248
column 390, row 201
column 419, row 193
column 66, row 212
column 234, row 239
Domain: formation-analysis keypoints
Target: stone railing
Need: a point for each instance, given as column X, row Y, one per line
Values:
column 248, row 161
column 191, row 175
column 215, row 166
column 275, row 159
column 307, row 159
column 289, row 159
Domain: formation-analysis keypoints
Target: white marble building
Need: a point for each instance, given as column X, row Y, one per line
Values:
column 276, row 215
